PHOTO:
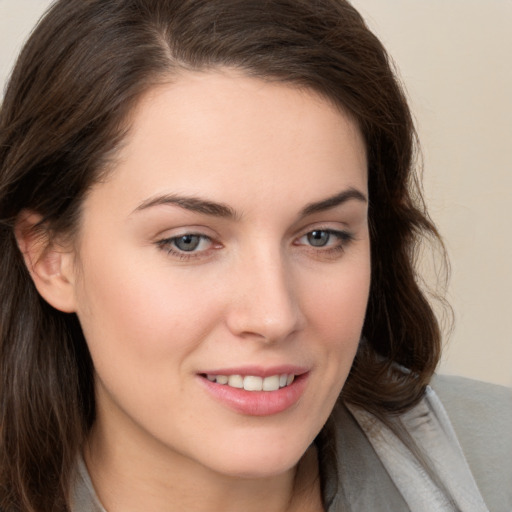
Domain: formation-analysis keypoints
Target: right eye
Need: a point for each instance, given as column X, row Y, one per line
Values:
column 188, row 242
column 187, row 245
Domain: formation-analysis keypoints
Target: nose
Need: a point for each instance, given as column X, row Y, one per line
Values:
column 265, row 303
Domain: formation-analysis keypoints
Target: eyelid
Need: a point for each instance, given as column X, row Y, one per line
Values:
column 184, row 229
column 332, row 227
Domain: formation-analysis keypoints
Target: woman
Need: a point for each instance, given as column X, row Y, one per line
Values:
column 209, row 218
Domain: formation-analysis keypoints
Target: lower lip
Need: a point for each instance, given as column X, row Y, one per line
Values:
column 257, row 403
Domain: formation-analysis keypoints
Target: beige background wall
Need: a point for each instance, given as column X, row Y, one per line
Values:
column 455, row 57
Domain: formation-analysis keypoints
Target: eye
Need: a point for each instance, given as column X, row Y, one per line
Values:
column 187, row 245
column 318, row 238
column 325, row 238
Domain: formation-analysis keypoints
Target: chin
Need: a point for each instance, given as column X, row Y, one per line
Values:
column 258, row 468
column 259, row 459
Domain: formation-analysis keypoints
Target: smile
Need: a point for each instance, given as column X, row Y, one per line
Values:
column 253, row 382
column 262, row 394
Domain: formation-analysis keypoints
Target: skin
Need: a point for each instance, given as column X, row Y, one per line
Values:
column 255, row 291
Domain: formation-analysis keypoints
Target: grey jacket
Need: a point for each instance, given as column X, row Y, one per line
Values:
column 463, row 427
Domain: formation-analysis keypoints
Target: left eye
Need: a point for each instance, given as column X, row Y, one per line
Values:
column 324, row 238
column 318, row 238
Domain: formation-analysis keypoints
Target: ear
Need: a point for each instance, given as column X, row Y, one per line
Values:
column 50, row 264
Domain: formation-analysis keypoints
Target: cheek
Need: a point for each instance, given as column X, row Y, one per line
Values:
column 336, row 314
column 141, row 328
column 141, row 313
column 339, row 304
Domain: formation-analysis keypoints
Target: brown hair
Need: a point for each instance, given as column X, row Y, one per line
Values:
column 63, row 116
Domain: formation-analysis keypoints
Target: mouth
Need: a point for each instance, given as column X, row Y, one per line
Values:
column 253, row 382
column 256, row 391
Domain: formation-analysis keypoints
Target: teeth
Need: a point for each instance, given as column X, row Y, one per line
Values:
column 236, row 381
column 271, row 383
column 252, row 382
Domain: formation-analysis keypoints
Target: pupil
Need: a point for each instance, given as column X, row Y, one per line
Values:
column 187, row 242
column 318, row 238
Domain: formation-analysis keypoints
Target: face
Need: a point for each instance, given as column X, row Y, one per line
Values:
column 222, row 274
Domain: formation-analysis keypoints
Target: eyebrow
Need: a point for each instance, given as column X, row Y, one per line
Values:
column 333, row 201
column 215, row 209
column 191, row 203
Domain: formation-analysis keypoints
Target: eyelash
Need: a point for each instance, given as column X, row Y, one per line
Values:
column 344, row 239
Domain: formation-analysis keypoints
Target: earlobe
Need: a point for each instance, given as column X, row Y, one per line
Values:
column 50, row 265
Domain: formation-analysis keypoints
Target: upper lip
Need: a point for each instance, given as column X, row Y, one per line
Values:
column 258, row 371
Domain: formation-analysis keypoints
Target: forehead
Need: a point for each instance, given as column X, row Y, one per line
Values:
column 206, row 131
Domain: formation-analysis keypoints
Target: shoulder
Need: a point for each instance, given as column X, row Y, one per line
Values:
column 481, row 415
